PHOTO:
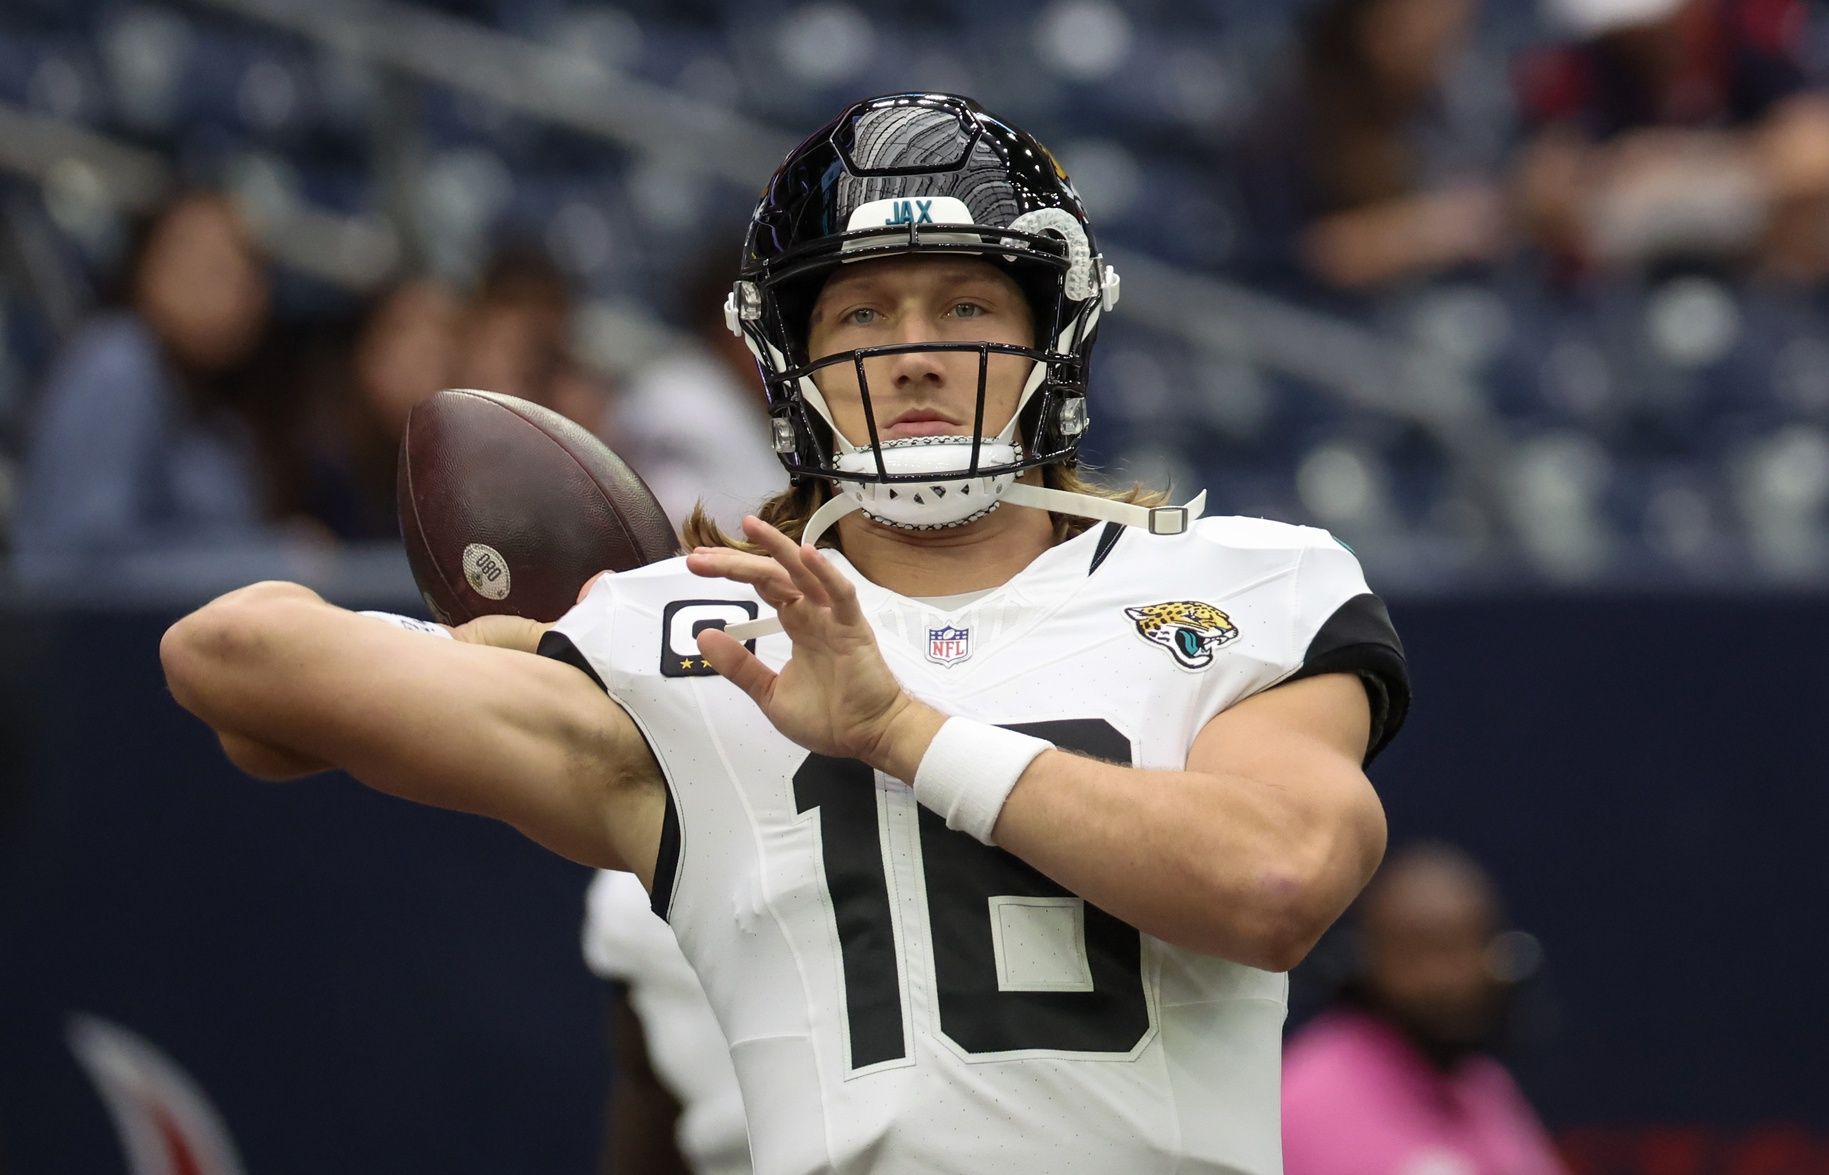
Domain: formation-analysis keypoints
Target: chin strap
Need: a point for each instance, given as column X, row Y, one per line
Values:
column 1154, row 519
column 835, row 508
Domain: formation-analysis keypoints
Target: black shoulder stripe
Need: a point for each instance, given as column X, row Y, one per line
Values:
column 1108, row 538
column 1358, row 639
column 1362, row 620
column 666, row 860
column 559, row 647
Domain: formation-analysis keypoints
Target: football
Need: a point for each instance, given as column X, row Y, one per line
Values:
column 508, row 507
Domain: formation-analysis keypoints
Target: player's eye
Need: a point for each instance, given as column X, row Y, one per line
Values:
column 862, row 316
column 968, row 310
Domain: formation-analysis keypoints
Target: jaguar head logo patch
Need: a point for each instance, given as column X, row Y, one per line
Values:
column 1190, row 630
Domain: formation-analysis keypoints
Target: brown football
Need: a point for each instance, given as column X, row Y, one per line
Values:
column 508, row 507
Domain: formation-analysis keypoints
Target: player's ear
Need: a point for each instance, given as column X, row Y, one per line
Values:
column 589, row 584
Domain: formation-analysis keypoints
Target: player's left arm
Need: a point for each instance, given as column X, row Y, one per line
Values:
column 1250, row 853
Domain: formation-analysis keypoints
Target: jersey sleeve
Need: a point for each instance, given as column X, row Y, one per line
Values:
column 1342, row 627
column 582, row 637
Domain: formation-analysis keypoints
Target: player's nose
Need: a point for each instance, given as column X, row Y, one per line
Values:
column 917, row 367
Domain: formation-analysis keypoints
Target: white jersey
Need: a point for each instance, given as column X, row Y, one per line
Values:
column 900, row 997
column 623, row 940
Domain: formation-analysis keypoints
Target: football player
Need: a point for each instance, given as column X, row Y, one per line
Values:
column 989, row 831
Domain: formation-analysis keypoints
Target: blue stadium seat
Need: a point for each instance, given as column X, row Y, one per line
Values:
column 1656, row 429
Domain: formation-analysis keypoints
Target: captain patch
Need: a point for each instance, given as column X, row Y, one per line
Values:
column 681, row 624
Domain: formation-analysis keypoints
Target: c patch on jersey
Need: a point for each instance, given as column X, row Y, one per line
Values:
column 680, row 625
column 1190, row 630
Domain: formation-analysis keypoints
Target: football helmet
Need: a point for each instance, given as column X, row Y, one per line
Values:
column 925, row 174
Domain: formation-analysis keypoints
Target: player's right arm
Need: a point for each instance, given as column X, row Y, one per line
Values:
column 288, row 680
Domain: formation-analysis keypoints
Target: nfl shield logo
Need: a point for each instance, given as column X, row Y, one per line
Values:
column 948, row 645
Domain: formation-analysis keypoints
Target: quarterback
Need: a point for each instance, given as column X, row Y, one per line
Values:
column 988, row 807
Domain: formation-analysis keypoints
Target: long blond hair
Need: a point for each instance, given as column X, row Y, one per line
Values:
column 789, row 510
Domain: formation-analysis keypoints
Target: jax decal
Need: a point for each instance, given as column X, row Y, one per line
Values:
column 911, row 212
column 902, row 212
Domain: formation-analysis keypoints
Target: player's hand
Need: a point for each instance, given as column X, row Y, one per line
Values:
column 836, row 695
column 502, row 632
column 514, row 632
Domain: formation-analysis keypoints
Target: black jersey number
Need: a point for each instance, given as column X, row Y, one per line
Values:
column 962, row 877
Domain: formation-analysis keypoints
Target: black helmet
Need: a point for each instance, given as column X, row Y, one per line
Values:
column 921, row 173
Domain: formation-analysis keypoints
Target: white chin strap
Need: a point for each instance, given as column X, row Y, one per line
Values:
column 1154, row 519
column 945, row 500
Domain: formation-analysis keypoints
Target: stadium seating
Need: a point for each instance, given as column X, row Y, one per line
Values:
column 1653, row 433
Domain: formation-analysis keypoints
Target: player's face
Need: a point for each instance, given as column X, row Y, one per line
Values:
column 917, row 299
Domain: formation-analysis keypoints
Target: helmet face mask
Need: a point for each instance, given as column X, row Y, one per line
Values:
column 921, row 175
column 984, row 424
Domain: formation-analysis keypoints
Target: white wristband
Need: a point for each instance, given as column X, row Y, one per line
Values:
column 969, row 770
column 412, row 624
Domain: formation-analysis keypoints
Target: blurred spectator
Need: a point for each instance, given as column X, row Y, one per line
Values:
column 516, row 336
column 1398, row 1078
column 158, row 429
column 1356, row 168
column 580, row 393
column 403, row 349
column 694, row 424
column 1677, row 129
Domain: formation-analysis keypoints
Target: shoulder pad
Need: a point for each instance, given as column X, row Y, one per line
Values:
column 1261, row 534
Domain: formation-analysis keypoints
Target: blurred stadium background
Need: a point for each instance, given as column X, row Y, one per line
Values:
column 1599, row 506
